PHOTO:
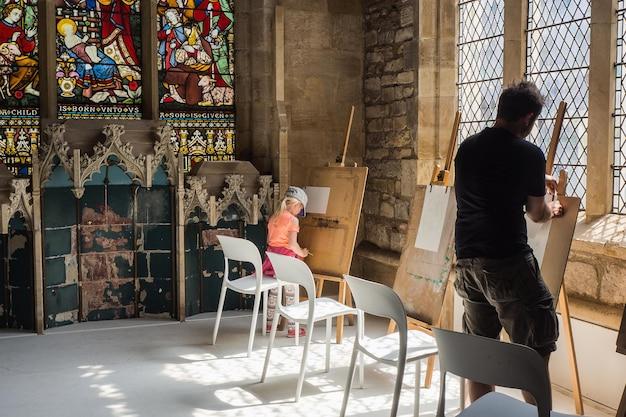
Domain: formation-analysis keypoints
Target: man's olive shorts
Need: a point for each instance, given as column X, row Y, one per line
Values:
column 507, row 293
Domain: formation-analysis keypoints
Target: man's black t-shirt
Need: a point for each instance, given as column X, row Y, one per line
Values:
column 495, row 173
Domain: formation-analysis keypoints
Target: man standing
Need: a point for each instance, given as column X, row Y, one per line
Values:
column 498, row 173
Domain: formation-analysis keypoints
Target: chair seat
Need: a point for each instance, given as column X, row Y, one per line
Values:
column 247, row 284
column 386, row 348
column 324, row 308
column 496, row 404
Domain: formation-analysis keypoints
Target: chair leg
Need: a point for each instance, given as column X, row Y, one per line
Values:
column 255, row 316
column 397, row 390
column 296, row 327
column 329, row 325
column 220, row 307
column 305, row 354
column 361, row 333
column 350, row 303
column 269, row 345
column 346, row 392
column 264, row 325
column 418, row 373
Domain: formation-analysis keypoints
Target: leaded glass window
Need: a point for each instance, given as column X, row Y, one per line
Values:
column 558, row 62
column 619, row 162
column 19, row 84
column 481, row 48
column 98, row 59
column 196, row 76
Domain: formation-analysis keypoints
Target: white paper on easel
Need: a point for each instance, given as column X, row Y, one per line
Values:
column 318, row 199
column 433, row 218
column 538, row 234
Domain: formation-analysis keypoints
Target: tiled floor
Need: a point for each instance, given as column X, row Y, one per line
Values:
column 155, row 368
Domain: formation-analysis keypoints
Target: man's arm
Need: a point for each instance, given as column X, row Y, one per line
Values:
column 540, row 212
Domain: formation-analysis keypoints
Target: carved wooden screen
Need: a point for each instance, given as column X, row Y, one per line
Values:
column 619, row 158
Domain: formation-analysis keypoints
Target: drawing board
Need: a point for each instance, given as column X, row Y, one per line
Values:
column 551, row 243
column 331, row 236
column 422, row 275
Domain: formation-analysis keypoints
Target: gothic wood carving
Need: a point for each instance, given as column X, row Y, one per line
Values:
column 55, row 147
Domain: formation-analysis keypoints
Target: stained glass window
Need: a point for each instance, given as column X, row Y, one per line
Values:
column 98, row 59
column 558, row 62
column 619, row 163
column 19, row 84
column 196, row 76
column 481, row 48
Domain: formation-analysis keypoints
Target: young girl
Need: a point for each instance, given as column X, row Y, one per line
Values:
column 282, row 238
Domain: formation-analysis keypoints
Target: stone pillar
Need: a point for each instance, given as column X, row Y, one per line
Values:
column 180, row 239
column 601, row 107
column 515, row 24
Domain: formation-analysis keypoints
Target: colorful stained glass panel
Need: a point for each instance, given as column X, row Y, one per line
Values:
column 19, row 84
column 203, row 136
column 98, row 59
column 196, row 82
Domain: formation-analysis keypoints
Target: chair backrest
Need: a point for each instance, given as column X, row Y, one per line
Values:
column 242, row 250
column 294, row 271
column 378, row 300
column 492, row 362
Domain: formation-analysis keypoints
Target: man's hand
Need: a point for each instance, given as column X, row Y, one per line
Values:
column 551, row 183
column 556, row 209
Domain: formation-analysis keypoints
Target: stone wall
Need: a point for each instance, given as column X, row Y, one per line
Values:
column 323, row 76
column 390, row 119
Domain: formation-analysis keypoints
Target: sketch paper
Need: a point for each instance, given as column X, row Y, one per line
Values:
column 538, row 234
column 318, row 199
column 433, row 218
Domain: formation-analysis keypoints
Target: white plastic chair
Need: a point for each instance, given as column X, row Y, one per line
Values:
column 243, row 250
column 395, row 349
column 294, row 271
column 492, row 362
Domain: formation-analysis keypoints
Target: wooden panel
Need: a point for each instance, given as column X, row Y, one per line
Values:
column 621, row 337
column 331, row 237
column 422, row 276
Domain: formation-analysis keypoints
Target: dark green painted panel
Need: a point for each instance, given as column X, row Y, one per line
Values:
column 192, row 296
column 21, row 269
column 22, row 311
column 54, row 271
column 59, row 178
column 156, row 296
column 106, row 238
column 142, row 264
column 107, row 314
column 57, row 242
column 120, row 200
column 59, row 207
column 61, row 299
column 157, row 237
column 124, row 267
column 160, row 265
column 93, row 197
column 154, row 205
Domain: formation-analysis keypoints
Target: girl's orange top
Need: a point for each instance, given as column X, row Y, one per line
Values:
column 279, row 228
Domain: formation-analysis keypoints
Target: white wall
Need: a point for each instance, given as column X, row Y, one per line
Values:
column 602, row 370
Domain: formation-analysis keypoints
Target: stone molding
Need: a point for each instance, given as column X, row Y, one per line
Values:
column 20, row 201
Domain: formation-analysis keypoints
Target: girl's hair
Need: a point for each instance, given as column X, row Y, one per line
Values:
column 285, row 204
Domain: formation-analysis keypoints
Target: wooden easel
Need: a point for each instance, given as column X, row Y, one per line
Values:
column 344, row 295
column 563, row 300
column 441, row 176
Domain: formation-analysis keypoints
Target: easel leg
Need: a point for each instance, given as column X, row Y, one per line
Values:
column 349, row 303
column 342, row 299
column 430, row 369
column 567, row 327
column 320, row 287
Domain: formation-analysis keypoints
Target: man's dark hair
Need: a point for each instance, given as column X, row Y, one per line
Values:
column 518, row 100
